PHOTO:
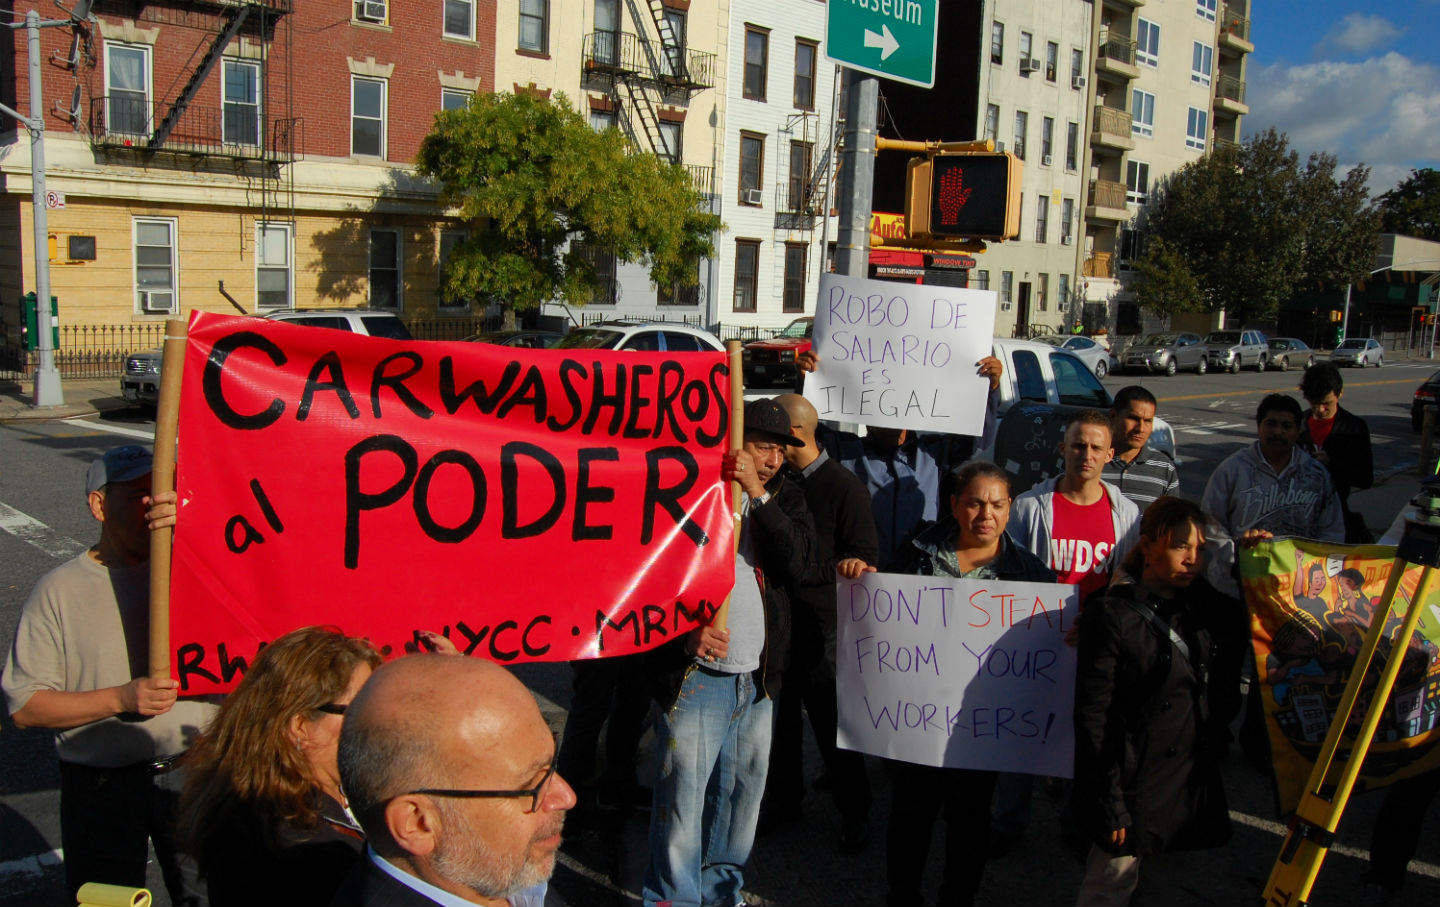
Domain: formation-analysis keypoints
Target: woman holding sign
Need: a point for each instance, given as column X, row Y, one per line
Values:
column 1157, row 682
column 971, row 543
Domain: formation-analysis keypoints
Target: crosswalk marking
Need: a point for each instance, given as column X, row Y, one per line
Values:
column 33, row 532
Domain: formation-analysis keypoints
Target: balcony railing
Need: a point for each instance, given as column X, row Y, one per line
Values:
column 1099, row 264
column 1225, row 144
column 1236, row 25
column 128, row 122
column 1113, row 122
column 617, row 53
column 1118, row 48
column 702, row 178
column 1107, row 194
column 1231, row 89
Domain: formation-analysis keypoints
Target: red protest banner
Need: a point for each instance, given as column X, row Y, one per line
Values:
column 531, row 505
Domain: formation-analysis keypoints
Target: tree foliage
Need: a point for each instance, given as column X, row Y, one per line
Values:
column 535, row 180
column 1413, row 207
column 1247, row 226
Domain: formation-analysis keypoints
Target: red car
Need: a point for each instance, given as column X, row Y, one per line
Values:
column 772, row 362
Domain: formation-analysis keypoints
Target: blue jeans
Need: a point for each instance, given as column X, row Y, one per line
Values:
column 714, row 745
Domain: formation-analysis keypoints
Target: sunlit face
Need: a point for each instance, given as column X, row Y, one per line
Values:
column 768, row 456
column 982, row 508
column 1279, row 433
column 1324, row 408
column 1175, row 560
column 1131, row 426
column 1086, row 450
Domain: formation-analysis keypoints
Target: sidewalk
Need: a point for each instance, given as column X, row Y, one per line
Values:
column 83, row 397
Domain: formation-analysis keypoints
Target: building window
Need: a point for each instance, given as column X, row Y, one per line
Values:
column 805, row 56
column 535, row 26
column 992, row 121
column 1137, row 182
column 1047, row 139
column 1007, row 289
column 607, row 32
column 679, row 293
column 980, row 280
column 1022, row 125
column 384, row 269
column 747, row 274
column 274, row 275
column 1202, row 64
column 1052, row 60
column 155, row 283
column 367, row 116
column 1077, row 67
column 1205, row 9
column 240, row 98
column 752, row 163
column 601, row 120
column 1042, row 219
column 672, row 45
column 801, row 156
column 671, row 138
column 1067, row 221
column 997, row 42
column 1062, row 292
column 1027, row 44
column 1147, row 43
column 127, row 85
column 1197, row 128
column 460, row 19
column 602, row 260
column 1132, row 246
column 1072, row 146
column 1142, row 112
column 455, row 98
column 449, row 240
column 757, row 62
column 1042, row 292
column 796, row 254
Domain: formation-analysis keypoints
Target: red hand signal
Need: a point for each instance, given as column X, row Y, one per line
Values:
column 953, row 195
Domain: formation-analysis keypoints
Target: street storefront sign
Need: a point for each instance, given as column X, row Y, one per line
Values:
column 531, row 505
column 958, row 673
column 901, row 355
column 1311, row 604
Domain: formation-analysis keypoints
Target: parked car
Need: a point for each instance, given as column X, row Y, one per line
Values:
column 1287, row 351
column 1427, row 394
column 1088, row 351
column 642, row 336
column 1167, row 352
column 772, row 361
column 1359, row 352
column 530, row 340
column 1234, row 350
column 141, row 381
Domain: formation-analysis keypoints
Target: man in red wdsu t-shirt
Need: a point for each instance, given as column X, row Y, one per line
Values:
column 1078, row 523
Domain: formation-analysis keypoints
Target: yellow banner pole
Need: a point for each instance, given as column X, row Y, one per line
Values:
column 735, row 351
column 167, row 420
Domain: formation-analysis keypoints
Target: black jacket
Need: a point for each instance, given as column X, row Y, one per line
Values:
column 248, row 858
column 1347, row 447
column 1150, row 723
column 1015, row 563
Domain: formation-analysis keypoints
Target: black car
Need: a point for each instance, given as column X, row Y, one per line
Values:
column 530, row 340
column 1427, row 394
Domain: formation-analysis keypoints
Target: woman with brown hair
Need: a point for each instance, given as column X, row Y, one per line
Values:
column 262, row 811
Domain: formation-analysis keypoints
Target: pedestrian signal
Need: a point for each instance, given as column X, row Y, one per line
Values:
column 971, row 195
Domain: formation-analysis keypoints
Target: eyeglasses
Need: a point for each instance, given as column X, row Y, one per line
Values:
column 332, row 708
column 536, row 793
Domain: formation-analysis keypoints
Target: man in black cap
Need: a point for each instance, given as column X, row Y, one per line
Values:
column 714, row 733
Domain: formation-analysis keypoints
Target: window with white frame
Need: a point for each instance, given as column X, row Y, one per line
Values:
column 1052, row 60
column 1042, row 292
column 455, row 98
column 1147, row 43
column 1027, row 45
column 1022, row 125
column 1007, row 289
column 1197, row 128
column 1067, row 221
column 1077, row 67
column 1042, row 218
column 240, row 100
column 1062, row 292
column 1202, row 64
column 459, row 19
column 155, row 265
column 535, row 26
column 274, row 271
column 1142, row 113
column 449, row 240
column 1205, row 9
column 997, row 42
column 127, row 89
column 1137, row 182
column 979, row 280
column 671, row 135
column 384, row 268
column 367, row 116
column 992, row 121
column 601, row 119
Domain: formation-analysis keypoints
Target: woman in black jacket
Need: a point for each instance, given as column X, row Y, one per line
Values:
column 971, row 543
column 1158, row 680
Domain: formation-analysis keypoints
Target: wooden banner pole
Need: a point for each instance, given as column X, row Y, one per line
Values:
column 167, row 419
column 734, row 349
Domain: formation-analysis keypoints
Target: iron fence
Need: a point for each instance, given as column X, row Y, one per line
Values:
column 88, row 350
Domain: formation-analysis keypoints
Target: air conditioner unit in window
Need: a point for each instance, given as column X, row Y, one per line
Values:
column 999, row 146
column 752, row 196
column 156, row 301
column 1077, row 81
column 1066, row 240
column 1031, row 65
column 1045, row 161
column 373, row 10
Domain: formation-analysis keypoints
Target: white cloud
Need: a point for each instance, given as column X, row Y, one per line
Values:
column 1358, row 33
column 1384, row 112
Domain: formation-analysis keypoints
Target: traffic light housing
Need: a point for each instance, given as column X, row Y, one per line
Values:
column 970, row 195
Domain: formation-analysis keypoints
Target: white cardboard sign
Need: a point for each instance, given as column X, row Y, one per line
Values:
column 901, row 355
column 958, row 673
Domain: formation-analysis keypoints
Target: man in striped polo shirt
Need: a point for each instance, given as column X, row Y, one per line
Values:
column 1141, row 472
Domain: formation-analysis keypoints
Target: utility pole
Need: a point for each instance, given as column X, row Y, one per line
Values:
column 857, row 174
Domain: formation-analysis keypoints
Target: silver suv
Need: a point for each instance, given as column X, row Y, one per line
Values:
column 141, row 381
column 1234, row 350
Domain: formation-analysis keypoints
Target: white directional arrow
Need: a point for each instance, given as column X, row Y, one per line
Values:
column 886, row 42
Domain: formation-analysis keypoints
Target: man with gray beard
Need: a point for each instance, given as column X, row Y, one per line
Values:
column 450, row 770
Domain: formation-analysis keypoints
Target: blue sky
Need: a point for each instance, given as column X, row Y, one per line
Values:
column 1359, row 81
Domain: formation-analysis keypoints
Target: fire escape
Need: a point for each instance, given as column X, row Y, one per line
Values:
column 800, row 200
column 640, row 77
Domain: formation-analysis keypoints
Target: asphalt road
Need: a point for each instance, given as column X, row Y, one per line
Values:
column 43, row 520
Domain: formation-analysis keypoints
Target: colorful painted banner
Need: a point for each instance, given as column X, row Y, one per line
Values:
column 1311, row 604
column 958, row 673
column 901, row 355
column 532, row 505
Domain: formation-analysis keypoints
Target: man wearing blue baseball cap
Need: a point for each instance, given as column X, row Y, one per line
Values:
column 79, row 665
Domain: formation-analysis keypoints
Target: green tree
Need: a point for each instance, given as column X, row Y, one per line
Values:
column 1413, row 207
column 1249, row 225
column 536, row 182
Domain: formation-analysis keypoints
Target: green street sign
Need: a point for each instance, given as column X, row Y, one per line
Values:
column 893, row 39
